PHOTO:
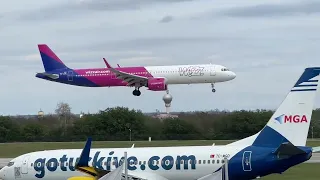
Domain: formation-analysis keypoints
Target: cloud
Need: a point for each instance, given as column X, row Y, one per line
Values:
column 144, row 61
column 68, row 9
column 268, row 56
column 271, row 10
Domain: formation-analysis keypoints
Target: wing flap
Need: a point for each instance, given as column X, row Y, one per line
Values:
column 131, row 79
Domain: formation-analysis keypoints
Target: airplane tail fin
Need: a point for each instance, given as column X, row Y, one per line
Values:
column 49, row 59
column 291, row 121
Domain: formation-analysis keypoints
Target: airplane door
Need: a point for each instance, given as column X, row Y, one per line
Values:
column 246, row 161
column 212, row 70
column 24, row 166
column 70, row 76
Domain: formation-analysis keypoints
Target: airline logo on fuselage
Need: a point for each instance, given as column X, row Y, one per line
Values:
column 191, row 71
column 283, row 119
column 65, row 163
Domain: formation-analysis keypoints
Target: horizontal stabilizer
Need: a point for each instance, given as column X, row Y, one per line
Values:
column 52, row 76
column 288, row 149
column 316, row 149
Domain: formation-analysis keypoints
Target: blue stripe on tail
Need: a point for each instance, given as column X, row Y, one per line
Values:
column 268, row 137
column 51, row 64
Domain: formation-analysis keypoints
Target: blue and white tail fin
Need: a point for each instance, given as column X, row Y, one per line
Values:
column 291, row 121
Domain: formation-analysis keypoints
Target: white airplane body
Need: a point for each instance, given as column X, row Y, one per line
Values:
column 280, row 145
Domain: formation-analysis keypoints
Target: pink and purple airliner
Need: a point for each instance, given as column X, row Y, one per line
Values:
column 155, row 78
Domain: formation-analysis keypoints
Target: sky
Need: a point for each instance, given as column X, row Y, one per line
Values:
column 267, row 43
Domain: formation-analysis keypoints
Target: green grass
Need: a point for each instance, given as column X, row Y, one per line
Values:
column 10, row 150
column 304, row 171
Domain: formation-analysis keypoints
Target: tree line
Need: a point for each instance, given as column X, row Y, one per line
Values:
column 123, row 124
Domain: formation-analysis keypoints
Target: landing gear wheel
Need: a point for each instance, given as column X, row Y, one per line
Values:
column 136, row 92
column 213, row 89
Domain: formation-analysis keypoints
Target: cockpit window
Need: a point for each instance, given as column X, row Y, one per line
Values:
column 10, row 164
column 224, row 69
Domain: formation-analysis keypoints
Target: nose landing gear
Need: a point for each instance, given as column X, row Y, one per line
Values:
column 213, row 89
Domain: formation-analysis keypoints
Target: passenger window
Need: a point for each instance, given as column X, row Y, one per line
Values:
column 212, row 161
column 204, row 161
column 218, row 161
column 199, row 161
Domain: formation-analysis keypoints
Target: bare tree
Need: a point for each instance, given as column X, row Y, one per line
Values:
column 63, row 111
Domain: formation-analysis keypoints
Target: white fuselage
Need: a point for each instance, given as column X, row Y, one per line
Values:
column 192, row 74
column 207, row 159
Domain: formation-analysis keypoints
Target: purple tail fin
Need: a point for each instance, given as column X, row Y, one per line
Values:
column 49, row 59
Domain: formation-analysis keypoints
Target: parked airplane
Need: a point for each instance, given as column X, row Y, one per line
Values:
column 156, row 78
column 280, row 145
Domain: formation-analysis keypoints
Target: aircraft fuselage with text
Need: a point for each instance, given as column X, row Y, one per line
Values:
column 155, row 78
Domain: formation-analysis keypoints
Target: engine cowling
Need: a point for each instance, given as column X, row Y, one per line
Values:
column 82, row 178
column 157, row 84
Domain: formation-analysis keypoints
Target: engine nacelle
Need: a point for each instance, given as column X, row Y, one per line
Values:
column 157, row 84
column 82, row 178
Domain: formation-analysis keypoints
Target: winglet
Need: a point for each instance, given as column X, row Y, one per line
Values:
column 118, row 65
column 106, row 62
column 132, row 146
column 84, row 157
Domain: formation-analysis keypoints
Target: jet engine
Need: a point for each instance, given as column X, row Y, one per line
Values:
column 157, row 84
column 82, row 178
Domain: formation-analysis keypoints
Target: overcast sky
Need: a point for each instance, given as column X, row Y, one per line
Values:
column 267, row 43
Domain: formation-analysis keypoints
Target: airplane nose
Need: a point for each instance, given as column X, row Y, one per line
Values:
column 232, row 75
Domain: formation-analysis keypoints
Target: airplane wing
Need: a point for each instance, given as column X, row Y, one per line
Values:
column 221, row 174
column 131, row 79
column 83, row 165
column 107, row 64
column 316, row 149
column 117, row 174
column 114, row 175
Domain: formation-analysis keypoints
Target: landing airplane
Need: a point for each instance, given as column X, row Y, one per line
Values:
column 280, row 145
column 155, row 78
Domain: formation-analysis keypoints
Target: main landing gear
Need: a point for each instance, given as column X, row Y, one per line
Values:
column 136, row 92
column 213, row 89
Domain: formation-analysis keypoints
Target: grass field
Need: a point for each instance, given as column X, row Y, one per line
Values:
column 300, row 172
column 10, row 150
